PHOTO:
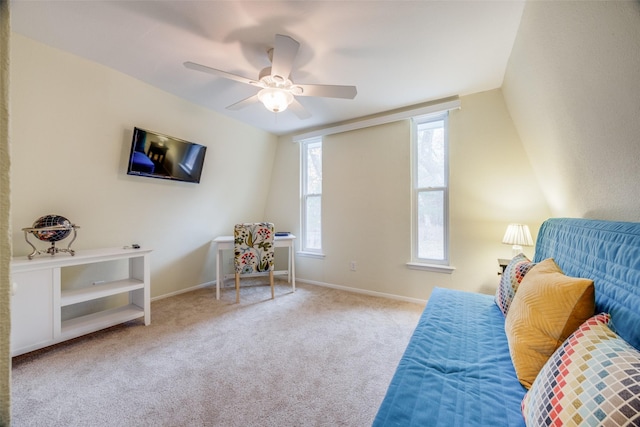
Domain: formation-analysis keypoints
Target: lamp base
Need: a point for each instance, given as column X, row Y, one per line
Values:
column 516, row 250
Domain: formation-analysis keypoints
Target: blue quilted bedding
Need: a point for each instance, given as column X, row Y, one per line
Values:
column 456, row 370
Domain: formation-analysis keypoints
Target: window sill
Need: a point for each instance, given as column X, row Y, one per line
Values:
column 316, row 255
column 431, row 267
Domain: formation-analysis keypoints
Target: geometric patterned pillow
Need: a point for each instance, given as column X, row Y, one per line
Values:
column 592, row 379
column 510, row 280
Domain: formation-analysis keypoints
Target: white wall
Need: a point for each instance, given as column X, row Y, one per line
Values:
column 572, row 87
column 72, row 122
column 366, row 202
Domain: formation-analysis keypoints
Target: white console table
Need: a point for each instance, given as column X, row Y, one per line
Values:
column 226, row 243
column 39, row 294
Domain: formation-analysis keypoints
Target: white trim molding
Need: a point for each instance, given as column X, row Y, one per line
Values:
column 184, row 291
column 438, row 106
column 364, row 291
column 431, row 267
column 308, row 254
column 309, row 282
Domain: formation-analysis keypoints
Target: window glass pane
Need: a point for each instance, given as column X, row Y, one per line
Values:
column 431, row 155
column 314, row 168
column 313, row 237
column 431, row 225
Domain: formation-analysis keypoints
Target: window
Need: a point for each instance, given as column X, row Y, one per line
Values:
column 189, row 158
column 430, row 190
column 311, row 209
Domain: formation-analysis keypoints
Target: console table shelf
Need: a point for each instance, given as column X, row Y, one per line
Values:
column 39, row 295
column 99, row 291
column 79, row 326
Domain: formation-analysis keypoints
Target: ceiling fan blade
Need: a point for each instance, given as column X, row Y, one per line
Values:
column 299, row 110
column 220, row 73
column 284, row 52
column 328, row 91
column 244, row 103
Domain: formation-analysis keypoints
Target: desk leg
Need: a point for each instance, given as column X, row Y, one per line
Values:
column 218, row 262
column 289, row 264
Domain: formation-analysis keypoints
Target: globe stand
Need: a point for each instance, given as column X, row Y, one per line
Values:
column 51, row 250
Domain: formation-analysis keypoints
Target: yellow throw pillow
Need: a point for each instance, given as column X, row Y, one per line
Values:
column 547, row 308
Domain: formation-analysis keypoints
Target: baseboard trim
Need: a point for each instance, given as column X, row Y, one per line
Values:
column 309, row 282
column 183, row 291
column 363, row 291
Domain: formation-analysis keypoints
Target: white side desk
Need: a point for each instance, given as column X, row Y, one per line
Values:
column 226, row 243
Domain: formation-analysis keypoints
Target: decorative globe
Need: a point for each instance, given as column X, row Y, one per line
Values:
column 52, row 221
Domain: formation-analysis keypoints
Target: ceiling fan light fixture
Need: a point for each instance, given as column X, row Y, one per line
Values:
column 277, row 91
column 274, row 99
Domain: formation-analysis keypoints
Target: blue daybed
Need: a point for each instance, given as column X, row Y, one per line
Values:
column 457, row 369
column 141, row 163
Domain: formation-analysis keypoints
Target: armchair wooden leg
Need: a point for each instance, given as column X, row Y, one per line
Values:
column 271, row 282
column 237, row 288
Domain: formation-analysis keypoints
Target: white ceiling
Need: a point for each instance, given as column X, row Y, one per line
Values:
column 397, row 53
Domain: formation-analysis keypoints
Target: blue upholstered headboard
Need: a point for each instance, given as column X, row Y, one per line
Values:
column 608, row 253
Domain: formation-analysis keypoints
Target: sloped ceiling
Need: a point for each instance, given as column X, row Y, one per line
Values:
column 572, row 90
column 397, row 53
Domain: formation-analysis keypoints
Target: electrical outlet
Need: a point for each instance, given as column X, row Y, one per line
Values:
column 352, row 266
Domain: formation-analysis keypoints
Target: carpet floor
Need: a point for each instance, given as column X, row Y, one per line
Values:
column 316, row 357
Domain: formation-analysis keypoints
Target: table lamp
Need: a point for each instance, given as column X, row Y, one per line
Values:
column 517, row 235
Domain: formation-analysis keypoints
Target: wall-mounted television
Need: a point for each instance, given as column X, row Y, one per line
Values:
column 155, row 155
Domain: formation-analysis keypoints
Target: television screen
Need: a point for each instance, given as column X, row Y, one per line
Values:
column 160, row 156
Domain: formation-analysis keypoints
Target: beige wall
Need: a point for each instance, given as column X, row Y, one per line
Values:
column 72, row 122
column 572, row 88
column 366, row 202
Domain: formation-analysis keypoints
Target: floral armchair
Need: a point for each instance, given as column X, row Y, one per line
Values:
column 253, row 251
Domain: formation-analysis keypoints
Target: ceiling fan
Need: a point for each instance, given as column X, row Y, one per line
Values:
column 277, row 90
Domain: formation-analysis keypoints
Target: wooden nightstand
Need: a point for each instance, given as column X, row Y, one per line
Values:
column 502, row 262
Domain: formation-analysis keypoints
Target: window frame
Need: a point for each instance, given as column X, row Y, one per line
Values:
column 439, row 265
column 189, row 159
column 305, row 145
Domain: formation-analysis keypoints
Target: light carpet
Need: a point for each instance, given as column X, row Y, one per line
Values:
column 316, row 357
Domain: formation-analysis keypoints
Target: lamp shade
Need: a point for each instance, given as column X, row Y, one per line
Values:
column 518, row 234
column 274, row 99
